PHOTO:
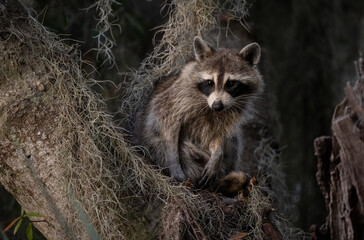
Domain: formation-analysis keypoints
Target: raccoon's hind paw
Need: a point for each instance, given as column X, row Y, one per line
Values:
column 232, row 183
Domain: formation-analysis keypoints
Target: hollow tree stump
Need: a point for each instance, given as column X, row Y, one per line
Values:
column 340, row 173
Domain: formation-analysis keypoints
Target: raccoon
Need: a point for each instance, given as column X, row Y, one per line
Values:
column 191, row 124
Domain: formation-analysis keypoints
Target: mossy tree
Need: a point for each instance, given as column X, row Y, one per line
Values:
column 63, row 157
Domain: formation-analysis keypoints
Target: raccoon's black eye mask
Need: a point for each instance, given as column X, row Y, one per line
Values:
column 206, row 87
column 210, row 83
column 230, row 84
column 236, row 88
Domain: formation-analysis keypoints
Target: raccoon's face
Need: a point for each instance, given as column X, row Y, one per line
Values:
column 227, row 78
column 225, row 90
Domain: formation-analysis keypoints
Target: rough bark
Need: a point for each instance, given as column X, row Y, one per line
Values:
column 341, row 168
column 28, row 117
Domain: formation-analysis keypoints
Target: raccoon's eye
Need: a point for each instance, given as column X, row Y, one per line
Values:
column 206, row 87
column 237, row 88
column 230, row 83
column 210, row 83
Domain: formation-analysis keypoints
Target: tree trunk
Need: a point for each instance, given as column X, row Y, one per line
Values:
column 28, row 117
column 341, row 168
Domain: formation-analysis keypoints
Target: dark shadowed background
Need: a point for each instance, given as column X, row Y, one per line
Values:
column 308, row 49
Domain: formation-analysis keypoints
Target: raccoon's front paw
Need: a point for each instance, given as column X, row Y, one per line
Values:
column 206, row 179
column 178, row 176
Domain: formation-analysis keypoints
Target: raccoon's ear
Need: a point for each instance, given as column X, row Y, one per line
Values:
column 251, row 53
column 202, row 49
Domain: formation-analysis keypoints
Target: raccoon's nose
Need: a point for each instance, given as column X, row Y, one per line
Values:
column 218, row 106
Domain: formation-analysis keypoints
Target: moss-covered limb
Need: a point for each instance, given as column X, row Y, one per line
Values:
column 29, row 114
column 60, row 153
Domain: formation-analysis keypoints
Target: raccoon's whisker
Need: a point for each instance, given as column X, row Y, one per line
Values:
column 202, row 106
column 259, row 114
column 244, row 105
column 245, row 100
column 249, row 97
column 238, row 103
column 238, row 106
column 201, row 103
column 250, row 94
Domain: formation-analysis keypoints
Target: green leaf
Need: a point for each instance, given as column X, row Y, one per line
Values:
column 11, row 224
column 33, row 214
column 29, row 232
column 22, row 211
column 17, row 226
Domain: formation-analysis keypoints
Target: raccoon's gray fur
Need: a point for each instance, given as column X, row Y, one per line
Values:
column 192, row 123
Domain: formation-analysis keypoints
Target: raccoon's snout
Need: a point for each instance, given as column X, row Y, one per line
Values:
column 218, row 106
